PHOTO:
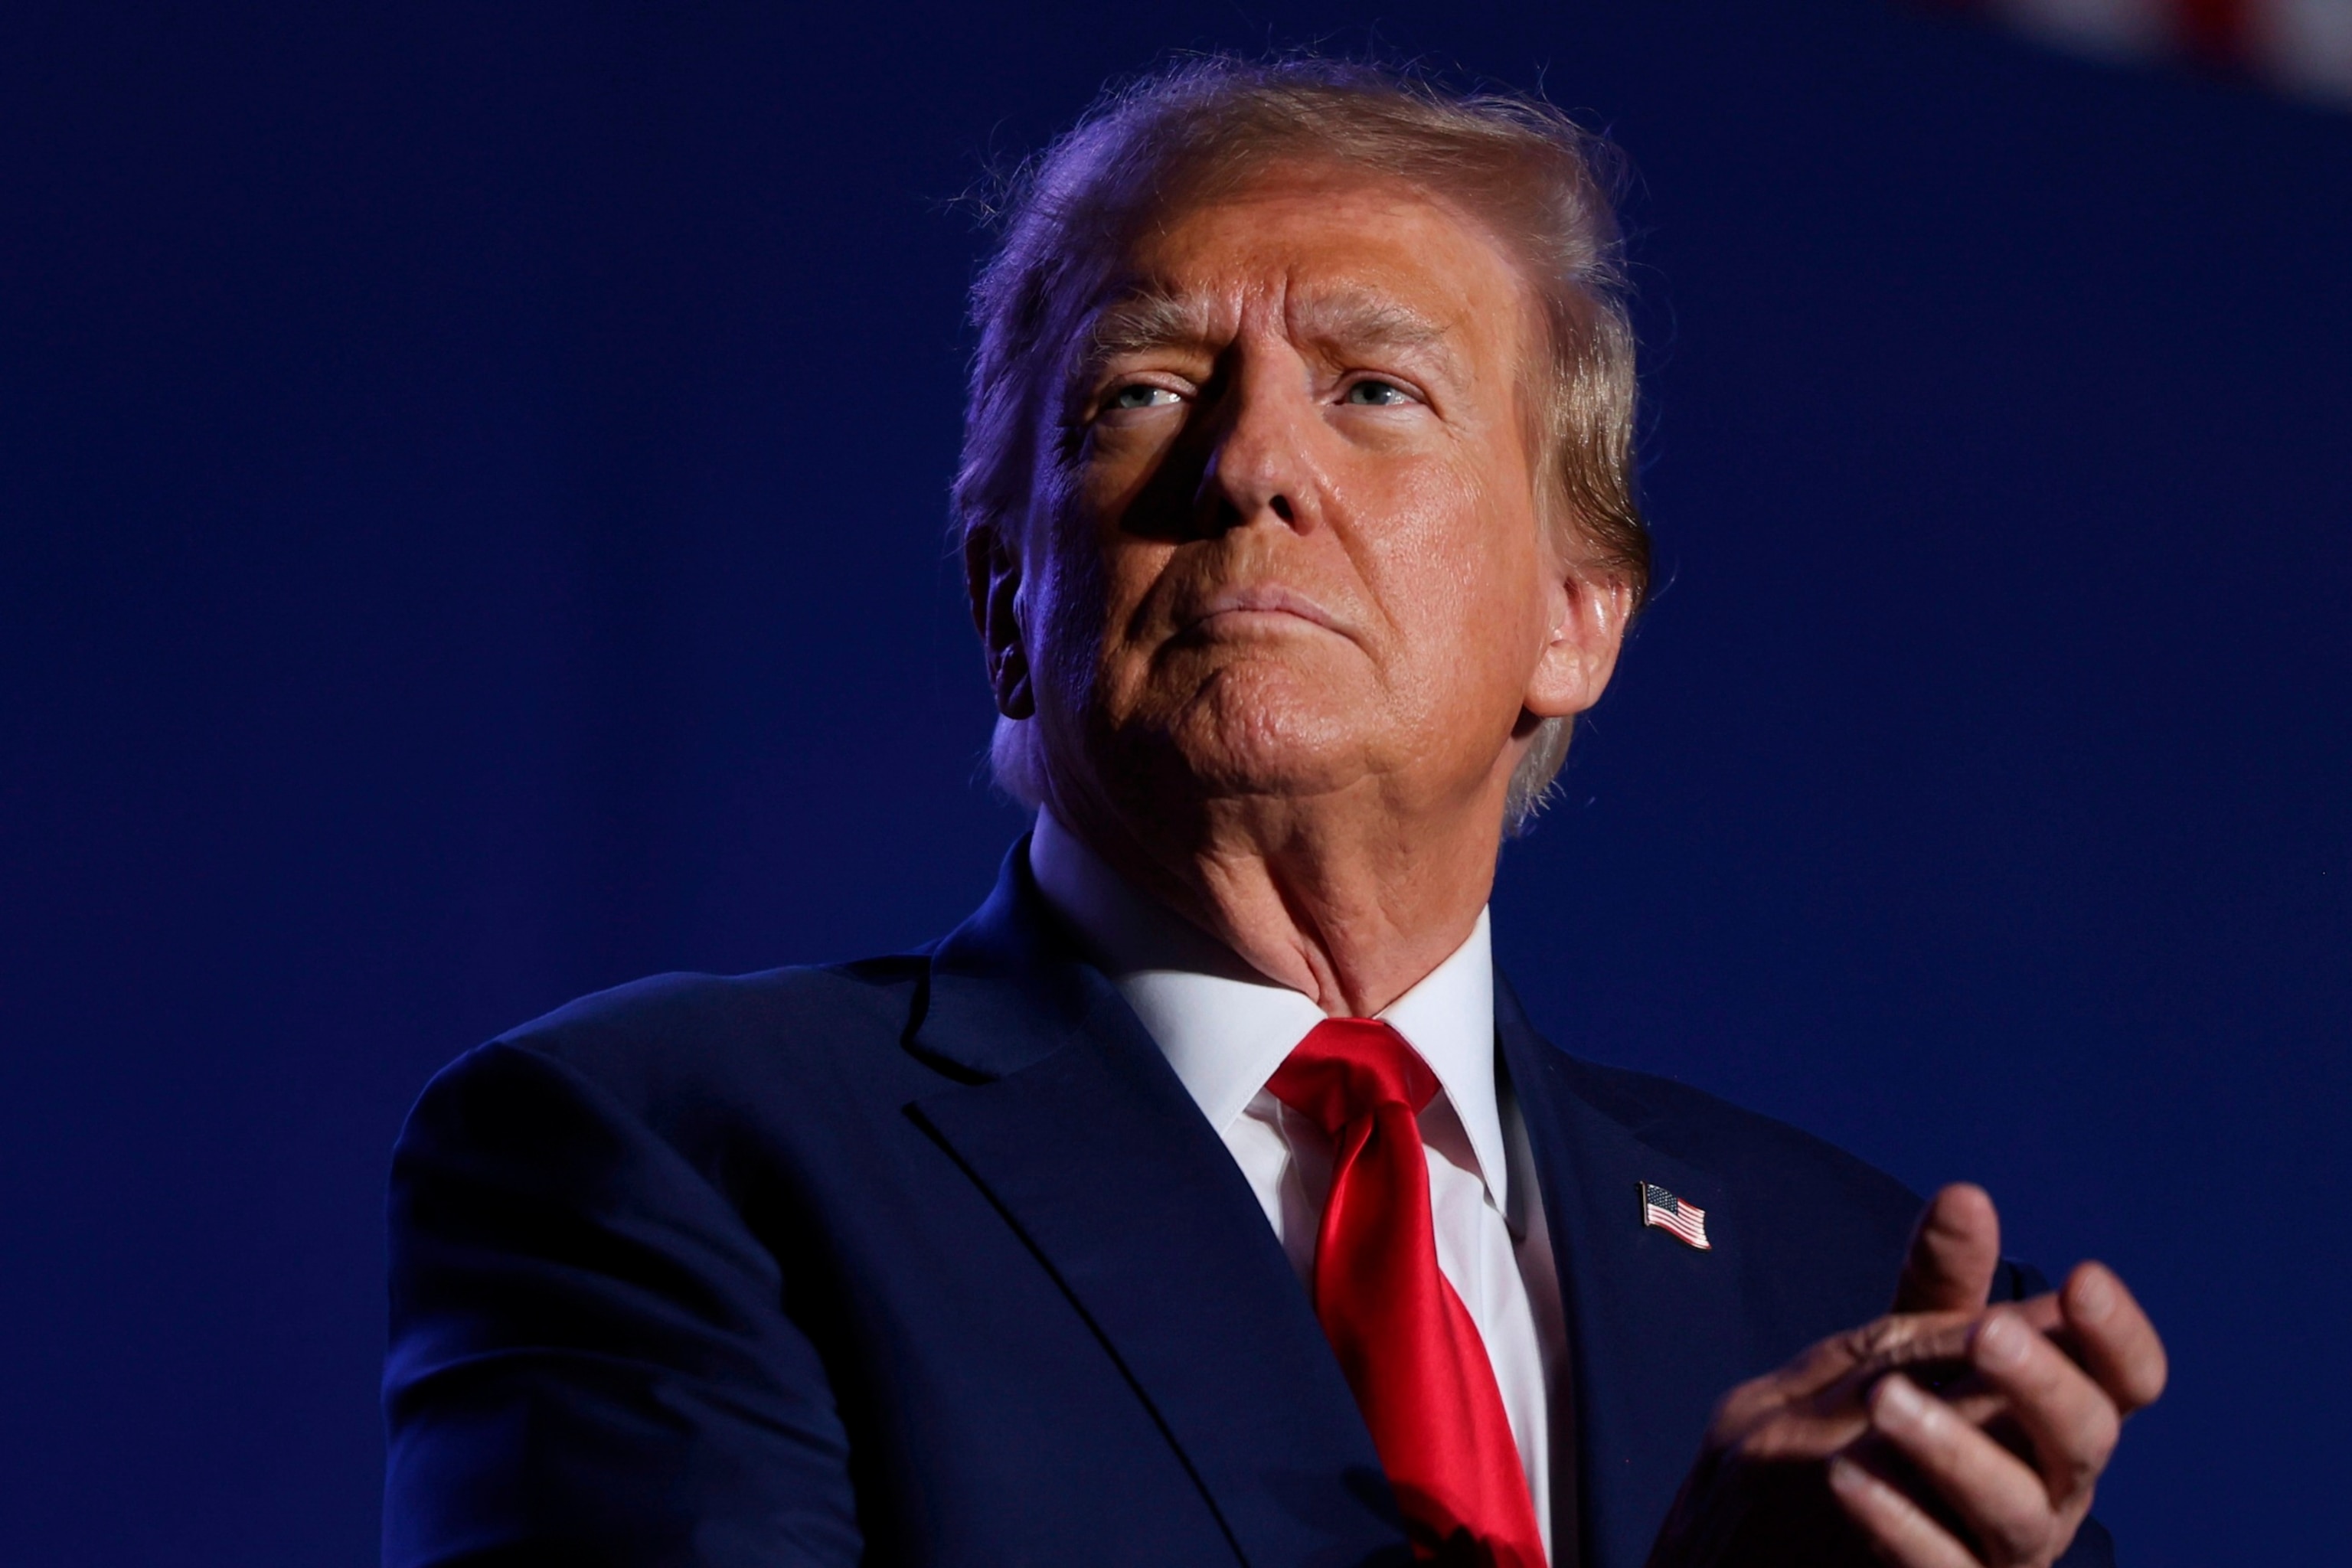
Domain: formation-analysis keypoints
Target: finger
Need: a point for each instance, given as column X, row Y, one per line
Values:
column 1954, row 1252
column 1898, row 1528
column 2071, row 1421
column 2002, row 1501
column 1812, row 1407
column 1933, row 1347
column 1963, row 1386
column 1798, row 1384
column 2117, row 1342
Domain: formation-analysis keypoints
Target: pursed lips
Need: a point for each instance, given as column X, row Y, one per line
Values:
column 1267, row 600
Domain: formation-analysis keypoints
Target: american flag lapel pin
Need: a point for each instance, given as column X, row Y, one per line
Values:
column 1684, row 1221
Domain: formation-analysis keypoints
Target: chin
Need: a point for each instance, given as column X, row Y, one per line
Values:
column 1261, row 731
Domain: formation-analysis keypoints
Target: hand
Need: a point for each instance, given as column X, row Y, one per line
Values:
column 1948, row 1435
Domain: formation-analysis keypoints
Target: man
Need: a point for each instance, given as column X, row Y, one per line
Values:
column 1207, row 1197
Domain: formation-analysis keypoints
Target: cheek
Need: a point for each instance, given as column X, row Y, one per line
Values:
column 1458, row 570
column 1111, row 476
column 1087, row 607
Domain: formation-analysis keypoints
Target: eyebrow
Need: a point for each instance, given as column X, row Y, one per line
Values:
column 1153, row 318
column 1359, row 321
column 1147, row 318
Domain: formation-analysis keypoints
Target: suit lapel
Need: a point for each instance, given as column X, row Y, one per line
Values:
column 1086, row 1139
column 1653, row 1325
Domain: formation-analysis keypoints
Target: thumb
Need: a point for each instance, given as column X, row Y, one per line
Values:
column 1953, row 1254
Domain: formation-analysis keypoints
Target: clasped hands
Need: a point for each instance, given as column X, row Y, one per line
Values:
column 1949, row 1434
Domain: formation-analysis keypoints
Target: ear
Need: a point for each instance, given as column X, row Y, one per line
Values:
column 1588, row 612
column 992, row 577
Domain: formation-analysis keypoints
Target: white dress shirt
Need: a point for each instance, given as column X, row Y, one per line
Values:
column 1226, row 1028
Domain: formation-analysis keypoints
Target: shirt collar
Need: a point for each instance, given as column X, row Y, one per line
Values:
column 1226, row 1028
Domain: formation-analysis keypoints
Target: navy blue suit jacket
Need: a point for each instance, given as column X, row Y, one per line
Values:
column 931, row 1260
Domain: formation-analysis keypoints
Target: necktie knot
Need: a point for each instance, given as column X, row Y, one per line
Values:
column 1348, row 1068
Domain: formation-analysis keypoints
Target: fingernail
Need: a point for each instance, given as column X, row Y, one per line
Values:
column 2094, row 1297
column 1847, row 1476
column 2002, row 1342
column 1898, row 1401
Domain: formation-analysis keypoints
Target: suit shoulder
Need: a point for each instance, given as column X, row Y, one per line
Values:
column 686, row 1011
column 668, row 1043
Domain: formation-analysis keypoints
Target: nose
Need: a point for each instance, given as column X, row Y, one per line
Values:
column 1261, row 465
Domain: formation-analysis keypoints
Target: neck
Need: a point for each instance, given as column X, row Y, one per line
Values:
column 1338, row 899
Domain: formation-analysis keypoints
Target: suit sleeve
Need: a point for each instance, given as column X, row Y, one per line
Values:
column 590, row 1358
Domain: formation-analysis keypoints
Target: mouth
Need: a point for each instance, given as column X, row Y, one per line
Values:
column 1269, row 606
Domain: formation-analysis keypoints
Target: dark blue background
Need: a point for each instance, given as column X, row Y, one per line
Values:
column 472, row 492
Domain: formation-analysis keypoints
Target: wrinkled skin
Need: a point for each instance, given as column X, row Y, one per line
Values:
column 1947, row 1434
column 1284, row 611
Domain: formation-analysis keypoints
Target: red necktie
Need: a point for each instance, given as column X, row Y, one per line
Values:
column 1406, row 1342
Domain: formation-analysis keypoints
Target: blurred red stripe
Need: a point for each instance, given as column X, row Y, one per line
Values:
column 2216, row 29
column 2300, row 46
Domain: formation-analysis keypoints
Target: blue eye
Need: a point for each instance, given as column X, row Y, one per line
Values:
column 1377, row 394
column 1140, row 395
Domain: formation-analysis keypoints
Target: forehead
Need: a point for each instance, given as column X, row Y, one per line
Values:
column 1324, row 248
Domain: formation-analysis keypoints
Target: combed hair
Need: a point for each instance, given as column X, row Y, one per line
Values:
column 1205, row 126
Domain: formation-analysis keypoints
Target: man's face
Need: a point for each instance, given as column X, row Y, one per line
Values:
column 1295, row 549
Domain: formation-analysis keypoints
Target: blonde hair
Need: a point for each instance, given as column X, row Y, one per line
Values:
column 1205, row 125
